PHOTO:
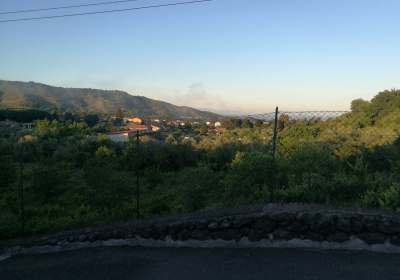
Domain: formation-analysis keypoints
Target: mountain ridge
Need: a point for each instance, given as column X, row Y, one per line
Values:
column 26, row 94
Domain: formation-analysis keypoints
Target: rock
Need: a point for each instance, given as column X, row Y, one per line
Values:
column 155, row 235
column 264, row 225
column 226, row 223
column 163, row 235
column 281, row 234
column 177, row 226
column 372, row 237
column 202, row 224
column 245, row 230
column 389, row 226
column 297, row 226
column 191, row 226
column 282, row 216
column 162, row 232
column 255, row 235
column 71, row 238
column 129, row 234
column 146, row 234
column 105, row 235
column 305, row 216
column 343, row 225
column 215, row 234
column 231, row 234
column 172, row 233
column 338, row 237
column 301, row 216
column 82, row 238
column 370, row 224
column 184, row 234
column 240, row 221
column 314, row 236
column 51, row 242
column 356, row 226
column 213, row 225
column 324, row 227
column 149, row 228
column 117, row 234
column 395, row 239
column 93, row 237
column 201, row 234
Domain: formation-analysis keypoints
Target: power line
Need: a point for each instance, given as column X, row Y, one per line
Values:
column 112, row 11
column 67, row 7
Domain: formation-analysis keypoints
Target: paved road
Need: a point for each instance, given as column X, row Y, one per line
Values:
column 190, row 263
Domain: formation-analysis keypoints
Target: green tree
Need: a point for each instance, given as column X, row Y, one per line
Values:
column 110, row 123
column 118, row 115
column 283, row 122
column 177, row 133
column 37, row 105
column 170, row 139
column 247, row 124
column 105, row 153
column 91, row 119
column 105, row 188
column 203, row 129
column 359, row 105
column 48, row 182
column 258, row 123
column 54, row 115
column 248, row 175
column 28, row 143
column 188, row 125
column 69, row 117
column 232, row 123
column 99, row 129
column 8, row 173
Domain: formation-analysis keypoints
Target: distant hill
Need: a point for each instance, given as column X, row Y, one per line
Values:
column 25, row 94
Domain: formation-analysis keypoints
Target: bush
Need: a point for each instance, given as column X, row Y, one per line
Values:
column 388, row 199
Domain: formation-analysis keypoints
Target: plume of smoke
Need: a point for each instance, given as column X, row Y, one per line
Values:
column 197, row 97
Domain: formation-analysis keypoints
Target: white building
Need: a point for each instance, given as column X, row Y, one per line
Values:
column 122, row 136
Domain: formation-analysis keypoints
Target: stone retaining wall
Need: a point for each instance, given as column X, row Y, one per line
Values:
column 255, row 223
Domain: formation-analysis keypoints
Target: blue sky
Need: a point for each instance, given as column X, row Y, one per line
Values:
column 228, row 56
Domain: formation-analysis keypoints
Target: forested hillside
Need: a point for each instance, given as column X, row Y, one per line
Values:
column 31, row 94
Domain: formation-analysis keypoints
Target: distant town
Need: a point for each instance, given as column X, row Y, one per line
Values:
column 121, row 129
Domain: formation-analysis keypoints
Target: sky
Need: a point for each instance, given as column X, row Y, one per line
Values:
column 225, row 56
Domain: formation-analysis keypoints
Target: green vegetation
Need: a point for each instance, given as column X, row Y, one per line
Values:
column 72, row 179
column 24, row 115
column 118, row 115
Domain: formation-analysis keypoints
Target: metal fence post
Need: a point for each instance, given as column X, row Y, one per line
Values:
column 21, row 192
column 273, row 157
column 137, row 174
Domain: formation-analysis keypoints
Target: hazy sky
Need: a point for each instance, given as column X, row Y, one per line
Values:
column 233, row 56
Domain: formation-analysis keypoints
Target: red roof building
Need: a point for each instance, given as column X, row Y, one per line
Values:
column 7, row 123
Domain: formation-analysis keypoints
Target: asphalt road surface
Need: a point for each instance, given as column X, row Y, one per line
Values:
column 205, row 263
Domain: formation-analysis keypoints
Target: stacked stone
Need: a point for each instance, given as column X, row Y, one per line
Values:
column 281, row 225
column 271, row 222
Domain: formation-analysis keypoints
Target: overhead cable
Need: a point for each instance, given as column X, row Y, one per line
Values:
column 112, row 11
column 67, row 7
